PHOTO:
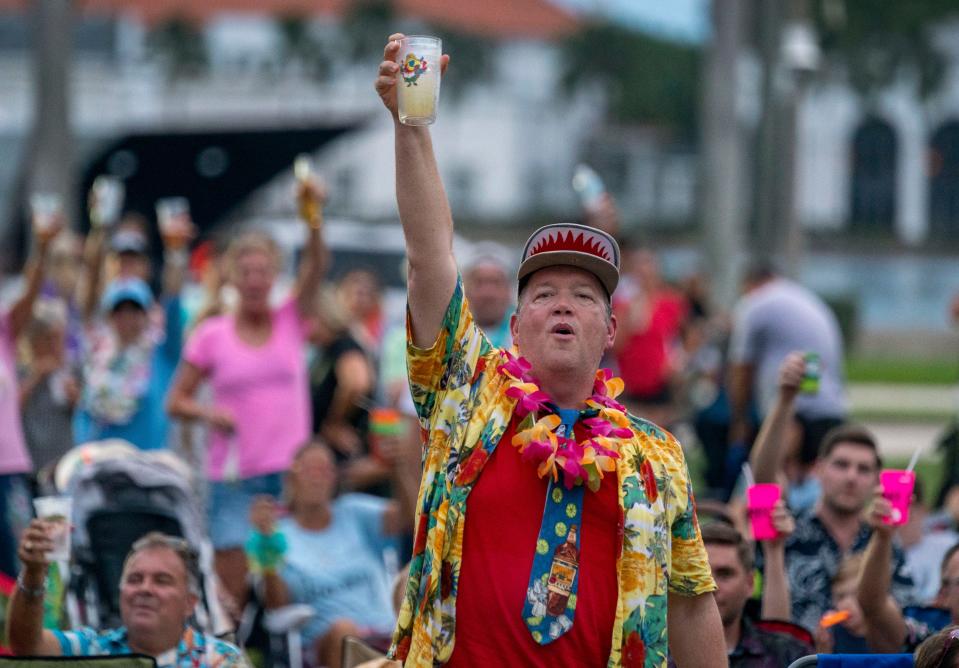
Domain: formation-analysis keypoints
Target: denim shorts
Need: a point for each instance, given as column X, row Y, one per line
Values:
column 228, row 507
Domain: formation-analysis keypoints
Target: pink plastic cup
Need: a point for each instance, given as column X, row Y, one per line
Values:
column 897, row 488
column 760, row 499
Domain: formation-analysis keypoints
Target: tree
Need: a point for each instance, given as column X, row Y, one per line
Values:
column 301, row 45
column 648, row 79
column 181, row 47
column 878, row 41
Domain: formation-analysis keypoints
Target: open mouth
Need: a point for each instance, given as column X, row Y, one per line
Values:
column 563, row 329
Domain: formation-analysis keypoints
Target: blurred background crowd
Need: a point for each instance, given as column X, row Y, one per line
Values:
column 783, row 178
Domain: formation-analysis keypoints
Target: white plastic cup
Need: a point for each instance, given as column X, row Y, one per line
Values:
column 173, row 219
column 57, row 511
column 44, row 210
column 107, row 200
column 418, row 81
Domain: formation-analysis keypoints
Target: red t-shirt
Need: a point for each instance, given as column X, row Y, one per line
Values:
column 503, row 516
column 643, row 361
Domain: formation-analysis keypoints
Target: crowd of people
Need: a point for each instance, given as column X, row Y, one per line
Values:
column 319, row 420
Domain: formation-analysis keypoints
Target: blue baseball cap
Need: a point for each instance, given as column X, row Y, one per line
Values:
column 126, row 290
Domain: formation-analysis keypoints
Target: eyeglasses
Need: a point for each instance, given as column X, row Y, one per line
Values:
column 953, row 636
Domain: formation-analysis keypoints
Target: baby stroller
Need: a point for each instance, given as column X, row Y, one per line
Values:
column 120, row 494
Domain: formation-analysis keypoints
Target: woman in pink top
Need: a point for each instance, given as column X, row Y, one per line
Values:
column 254, row 360
column 15, row 462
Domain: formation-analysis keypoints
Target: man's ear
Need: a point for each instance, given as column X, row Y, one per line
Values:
column 611, row 330
column 191, row 602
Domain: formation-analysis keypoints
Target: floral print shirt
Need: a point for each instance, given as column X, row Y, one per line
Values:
column 463, row 413
column 195, row 650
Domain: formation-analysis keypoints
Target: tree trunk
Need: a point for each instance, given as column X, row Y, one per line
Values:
column 50, row 150
column 722, row 163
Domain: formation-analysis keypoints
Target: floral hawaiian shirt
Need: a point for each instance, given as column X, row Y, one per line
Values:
column 463, row 413
column 195, row 650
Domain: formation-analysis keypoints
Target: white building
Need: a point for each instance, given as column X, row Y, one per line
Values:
column 888, row 166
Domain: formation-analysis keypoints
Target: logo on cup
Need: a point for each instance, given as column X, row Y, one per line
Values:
column 413, row 67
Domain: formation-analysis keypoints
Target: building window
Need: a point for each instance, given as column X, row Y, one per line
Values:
column 874, row 153
column 944, row 181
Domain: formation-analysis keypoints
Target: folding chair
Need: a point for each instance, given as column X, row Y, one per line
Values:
column 797, row 631
column 123, row 661
column 854, row 661
column 357, row 653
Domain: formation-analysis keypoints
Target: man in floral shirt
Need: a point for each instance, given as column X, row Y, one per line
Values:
column 578, row 546
column 158, row 592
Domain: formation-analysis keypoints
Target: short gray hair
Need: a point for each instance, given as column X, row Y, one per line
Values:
column 157, row 540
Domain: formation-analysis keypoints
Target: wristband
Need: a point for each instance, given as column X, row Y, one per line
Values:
column 265, row 552
column 32, row 592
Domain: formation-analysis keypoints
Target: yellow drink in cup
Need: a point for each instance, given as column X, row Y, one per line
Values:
column 418, row 85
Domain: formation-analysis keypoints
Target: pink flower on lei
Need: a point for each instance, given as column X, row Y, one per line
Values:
column 606, row 388
column 539, row 444
column 573, row 458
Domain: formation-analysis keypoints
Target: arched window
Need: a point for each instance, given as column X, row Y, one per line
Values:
column 874, row 177
column 944, row 181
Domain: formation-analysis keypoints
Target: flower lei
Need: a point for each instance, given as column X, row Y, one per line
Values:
column 579, row 461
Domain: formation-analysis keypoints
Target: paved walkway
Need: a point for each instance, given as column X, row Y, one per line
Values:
column 928, row 408
column 898, row 399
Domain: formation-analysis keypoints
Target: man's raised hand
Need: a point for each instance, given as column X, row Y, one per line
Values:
column 386, row 77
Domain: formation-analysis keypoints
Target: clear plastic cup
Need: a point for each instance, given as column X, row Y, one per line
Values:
column 173, row 219
column 418, row 84
column 56, row 511
column 897, row 488
column 760, row 499
column 44, row 210
column 106, row 202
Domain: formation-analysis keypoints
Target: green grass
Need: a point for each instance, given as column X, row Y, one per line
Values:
column 905, row 415
column 929, row 475
column 903, row 371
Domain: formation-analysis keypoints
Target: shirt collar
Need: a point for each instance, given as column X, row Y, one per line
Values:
column 749, row 642
column 189, row 641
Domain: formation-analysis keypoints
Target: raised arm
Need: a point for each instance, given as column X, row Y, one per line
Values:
column 22, row 309
column 768, row 452
column 313, row 266
column 25, row 630
column 776, row 601
column 94, row 254
column 424, row 210
column 885, row 625
column 176, row 256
